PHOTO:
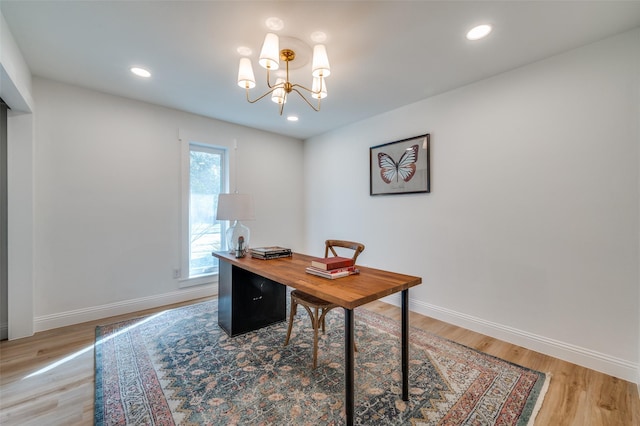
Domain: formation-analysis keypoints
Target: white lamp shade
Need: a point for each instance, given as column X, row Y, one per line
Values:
column 235, row 207
column 279, row 96
column 246, row 80
column 319, row 88
column 270, row 54
column 320, row 65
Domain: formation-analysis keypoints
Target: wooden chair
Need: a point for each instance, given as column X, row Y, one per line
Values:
column 317, row 308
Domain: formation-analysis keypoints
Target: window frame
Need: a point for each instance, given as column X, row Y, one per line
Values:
column 184, row 280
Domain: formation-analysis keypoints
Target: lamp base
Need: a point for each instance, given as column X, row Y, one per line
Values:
column 238, row 239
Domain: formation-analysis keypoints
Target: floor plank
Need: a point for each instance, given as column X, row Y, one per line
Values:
column 31, row 394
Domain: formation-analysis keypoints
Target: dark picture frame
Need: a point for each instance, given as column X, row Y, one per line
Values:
column 400, row 167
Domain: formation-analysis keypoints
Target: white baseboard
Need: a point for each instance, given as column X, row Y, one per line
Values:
column 588, row 358
column 47, row 322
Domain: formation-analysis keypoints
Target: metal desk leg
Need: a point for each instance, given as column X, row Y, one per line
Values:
column 348, row 364
column 405, row 345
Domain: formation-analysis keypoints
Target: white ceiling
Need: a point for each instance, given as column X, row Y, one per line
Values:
column 383, row 54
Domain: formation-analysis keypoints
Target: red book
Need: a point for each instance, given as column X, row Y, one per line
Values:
column 334, row 273
column 329, row 263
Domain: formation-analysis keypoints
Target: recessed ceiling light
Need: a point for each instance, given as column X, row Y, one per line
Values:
column 481, row 31
column 292, row 118
column 141, row 72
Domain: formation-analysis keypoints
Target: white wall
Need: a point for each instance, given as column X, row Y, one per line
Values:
column 530, row 233
column 107, row 205
column 15, row 90
column 20, row 225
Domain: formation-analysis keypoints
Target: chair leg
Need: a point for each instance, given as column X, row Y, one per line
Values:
column 322, row 317
column 316, row 325
column 292, row 314
column 317, row 320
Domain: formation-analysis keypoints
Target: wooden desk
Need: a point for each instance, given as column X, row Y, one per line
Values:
column 348, row 292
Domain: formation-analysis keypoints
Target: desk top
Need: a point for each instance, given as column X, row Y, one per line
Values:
column 349, row 292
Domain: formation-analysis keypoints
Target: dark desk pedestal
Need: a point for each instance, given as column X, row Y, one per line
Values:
column 247, row 301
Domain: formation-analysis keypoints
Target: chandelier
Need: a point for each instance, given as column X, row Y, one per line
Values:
column 270, row 57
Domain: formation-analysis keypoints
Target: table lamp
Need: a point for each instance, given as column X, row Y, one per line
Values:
column 236, row 207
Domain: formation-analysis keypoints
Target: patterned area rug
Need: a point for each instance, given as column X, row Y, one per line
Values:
column 178, row 367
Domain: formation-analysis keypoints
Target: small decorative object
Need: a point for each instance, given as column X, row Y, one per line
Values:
column 400, row 167
column 240, row 248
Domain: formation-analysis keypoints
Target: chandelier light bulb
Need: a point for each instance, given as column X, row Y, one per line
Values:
column 320, row 64
column 319, row 88
column 246, row 79
column 270, row 53
column 279, row 96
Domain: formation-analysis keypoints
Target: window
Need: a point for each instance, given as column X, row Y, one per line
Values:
column 206, row 179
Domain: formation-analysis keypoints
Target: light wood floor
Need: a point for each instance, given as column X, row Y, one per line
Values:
column 63, row 395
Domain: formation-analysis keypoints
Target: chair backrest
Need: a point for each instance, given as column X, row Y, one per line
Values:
column 330, row 245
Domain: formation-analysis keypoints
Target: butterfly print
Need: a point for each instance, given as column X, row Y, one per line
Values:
column 404, row 169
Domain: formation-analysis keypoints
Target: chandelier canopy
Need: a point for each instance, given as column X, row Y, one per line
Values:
column 270, row 57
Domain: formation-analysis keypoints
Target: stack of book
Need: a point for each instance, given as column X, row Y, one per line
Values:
column 332, row 267
column 273, row 252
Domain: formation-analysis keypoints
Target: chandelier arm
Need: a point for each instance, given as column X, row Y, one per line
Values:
column 306, row 100
column 307, row 89
column 277, row 86
column 269, row 81
column 303, row 87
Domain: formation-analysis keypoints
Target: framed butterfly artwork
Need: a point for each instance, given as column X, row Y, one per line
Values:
column 400, row 167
